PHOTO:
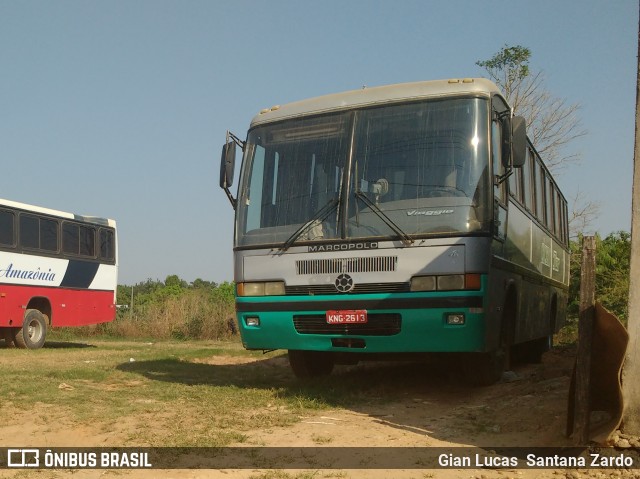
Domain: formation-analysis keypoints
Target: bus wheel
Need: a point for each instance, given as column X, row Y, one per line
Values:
column 33, row 331
column 310, row 364
column 485, row 369
column 532, row 351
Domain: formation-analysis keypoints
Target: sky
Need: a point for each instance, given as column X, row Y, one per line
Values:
column 119, row 108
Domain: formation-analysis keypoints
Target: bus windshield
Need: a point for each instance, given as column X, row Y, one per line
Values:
column 421, row 167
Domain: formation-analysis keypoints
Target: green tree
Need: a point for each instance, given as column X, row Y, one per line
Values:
column 508, row 68
column 552, row 123
column 613, row 255
column 202, row 284
column 173, row 281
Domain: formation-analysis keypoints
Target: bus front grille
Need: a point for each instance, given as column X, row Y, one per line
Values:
column 376, row 325
column 319, row 289
column 367, row 264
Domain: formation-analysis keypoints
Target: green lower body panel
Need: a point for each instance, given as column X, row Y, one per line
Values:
column 402, row 323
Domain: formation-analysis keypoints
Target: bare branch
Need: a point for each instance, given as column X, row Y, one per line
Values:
column 583, row 213
column 552, row 124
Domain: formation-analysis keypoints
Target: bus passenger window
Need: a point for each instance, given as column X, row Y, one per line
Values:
column 48, row 235
column 540, row 195
column 6, row 228
column 549, row 204
column 558, row 210
column 70, row 238
column 515, row 184
column 87, row 241
column 527, row 181
column 29, row 234
column 107, row 245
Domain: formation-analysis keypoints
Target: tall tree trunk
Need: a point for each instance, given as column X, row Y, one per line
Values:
column 631, row 372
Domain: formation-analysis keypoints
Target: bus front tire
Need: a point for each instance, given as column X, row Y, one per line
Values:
column 485, row 369
column 532, row 351
column 310, row 364
column 33, row 331
column 7, row 335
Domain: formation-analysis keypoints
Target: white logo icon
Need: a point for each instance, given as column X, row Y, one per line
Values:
column 23, row 458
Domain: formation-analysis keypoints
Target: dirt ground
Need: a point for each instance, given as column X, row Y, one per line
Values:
column 526, row 409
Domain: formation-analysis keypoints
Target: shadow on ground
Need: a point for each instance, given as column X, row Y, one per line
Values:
column 57, row 345
column 528, row 408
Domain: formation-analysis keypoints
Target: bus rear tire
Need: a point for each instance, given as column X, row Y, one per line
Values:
column 310, row 364
column 33, row 332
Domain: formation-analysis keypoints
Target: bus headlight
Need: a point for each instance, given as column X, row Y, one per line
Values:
column 423, row 283
column 446, row 282
column 263, row 288
column 450, row 282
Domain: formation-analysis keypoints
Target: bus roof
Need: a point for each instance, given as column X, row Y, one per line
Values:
column 60, row 214
column 376, row 96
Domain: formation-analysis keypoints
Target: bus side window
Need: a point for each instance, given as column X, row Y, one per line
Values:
column 29, row 231
column 540, row 194
column 107, row 245
column 78, row 240
column 70, row 238
column 7, row 228
column 550, row 200
column 48, row 235
column 87, row 241
column 565, row 222
column 527, row 198
column 514, row 183
column 558, row 210
column 496, row 155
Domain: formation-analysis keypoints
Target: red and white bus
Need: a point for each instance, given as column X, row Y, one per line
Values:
column 56, row 269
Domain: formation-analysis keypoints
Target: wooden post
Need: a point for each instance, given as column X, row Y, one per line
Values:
column 631, row 371
column 585, row 337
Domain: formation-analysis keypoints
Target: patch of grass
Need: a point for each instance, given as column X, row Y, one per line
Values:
column 200, row 393
column 278, row 474
column 319, row 439
column 176, row 393
column 568, row 334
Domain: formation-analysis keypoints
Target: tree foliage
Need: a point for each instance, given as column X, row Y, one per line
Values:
column 508, row 68
column 552, row 123
column 613, row 255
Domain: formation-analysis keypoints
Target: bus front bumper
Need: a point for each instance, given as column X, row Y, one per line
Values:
column 402, row 323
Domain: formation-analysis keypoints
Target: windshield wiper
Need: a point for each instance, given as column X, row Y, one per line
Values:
column 405, row 238
column 320, row 216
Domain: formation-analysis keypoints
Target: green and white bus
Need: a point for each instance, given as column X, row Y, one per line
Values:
column 397, row 220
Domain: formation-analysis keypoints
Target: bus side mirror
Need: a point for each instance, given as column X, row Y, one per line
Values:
column 518, row 141
column 227, row 167
column 227, row 164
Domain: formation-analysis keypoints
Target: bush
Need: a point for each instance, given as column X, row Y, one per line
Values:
column 171, row 310
column 613, row 255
